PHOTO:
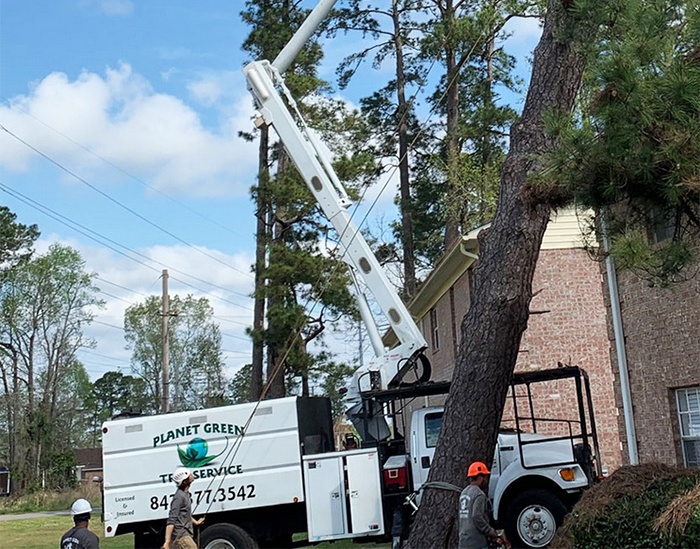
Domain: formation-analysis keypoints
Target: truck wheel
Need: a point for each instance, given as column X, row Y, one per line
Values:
column 227, row 536
column 533, row 517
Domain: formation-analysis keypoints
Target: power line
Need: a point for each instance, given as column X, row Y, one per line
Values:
column 95, row 237
column 205, row 292
column 91, row 352
column 247, row 339
column 123, row 206
column 77, row 227
column 121, row 287
column 115, row 297
column 123, row 171
column 120, row 328
column 246, row 324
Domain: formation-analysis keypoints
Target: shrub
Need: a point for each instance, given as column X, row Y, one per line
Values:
column 643, row 506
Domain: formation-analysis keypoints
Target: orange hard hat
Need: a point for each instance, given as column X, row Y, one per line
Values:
column 477, row 468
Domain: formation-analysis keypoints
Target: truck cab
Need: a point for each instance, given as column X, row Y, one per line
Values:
column 536, row 477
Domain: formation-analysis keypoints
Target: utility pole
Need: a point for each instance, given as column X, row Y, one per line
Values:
column 166, row 349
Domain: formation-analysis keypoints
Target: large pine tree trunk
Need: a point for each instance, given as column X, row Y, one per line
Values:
column 409, row 256
column 261, row 236
column 492, row 329
column 452, row 221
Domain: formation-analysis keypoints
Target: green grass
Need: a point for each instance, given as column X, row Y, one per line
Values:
column 46, row 532
column 40, row 533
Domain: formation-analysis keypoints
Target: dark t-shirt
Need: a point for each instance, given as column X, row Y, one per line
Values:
column 181, row 515
column 79, row 538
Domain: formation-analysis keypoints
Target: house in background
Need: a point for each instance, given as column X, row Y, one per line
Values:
column 88, row 464
column 657, row 348
column 5, row 483
column 568, row 321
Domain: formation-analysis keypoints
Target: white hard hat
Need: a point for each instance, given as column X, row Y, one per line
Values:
column 180, row 474
column 80, row 507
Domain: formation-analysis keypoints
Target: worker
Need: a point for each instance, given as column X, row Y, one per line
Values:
column 350, row 442
column 179, row 524
column 79, row 537
column 474, row 527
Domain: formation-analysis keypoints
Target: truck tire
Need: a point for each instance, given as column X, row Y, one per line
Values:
column 227, row 536
column 532, row 518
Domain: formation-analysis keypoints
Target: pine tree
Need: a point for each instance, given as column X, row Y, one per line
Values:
column 302, row 283
column 632, row 150
column 466, row 37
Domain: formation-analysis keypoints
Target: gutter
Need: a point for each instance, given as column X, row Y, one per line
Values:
column 619, row 333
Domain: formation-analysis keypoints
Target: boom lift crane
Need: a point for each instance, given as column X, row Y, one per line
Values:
column 281, row 475
column 276, row 107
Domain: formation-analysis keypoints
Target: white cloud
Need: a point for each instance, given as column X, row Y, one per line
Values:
column 120, row 117
column 117, row 7
column 169, row 73
column 524, row 32
column 208, row 89
column 125, row 283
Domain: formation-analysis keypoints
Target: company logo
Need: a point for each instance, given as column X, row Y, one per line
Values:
column 195, row 454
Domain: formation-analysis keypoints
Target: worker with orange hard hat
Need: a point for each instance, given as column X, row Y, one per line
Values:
column 474, row 526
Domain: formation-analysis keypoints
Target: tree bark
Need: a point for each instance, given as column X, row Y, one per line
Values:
column 276, row 366
column 493, row 326
column 409, row 259
column 256, row 372
column 452, row 223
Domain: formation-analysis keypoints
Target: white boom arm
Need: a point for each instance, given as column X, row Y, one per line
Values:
column 277, row 108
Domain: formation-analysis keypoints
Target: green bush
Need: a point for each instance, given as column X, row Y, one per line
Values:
column 625, row 511
column 61, row 473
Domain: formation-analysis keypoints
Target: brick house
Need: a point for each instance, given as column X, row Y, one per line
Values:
column 88, row 463
column 660, row 339
column 568, row 322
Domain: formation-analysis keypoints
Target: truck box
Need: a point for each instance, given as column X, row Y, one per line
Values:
column 344, row 495
column 242, row 457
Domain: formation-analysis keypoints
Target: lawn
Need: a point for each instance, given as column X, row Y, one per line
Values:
column 40, row 533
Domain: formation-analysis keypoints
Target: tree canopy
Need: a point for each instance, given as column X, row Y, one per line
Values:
column 196, row 363
column 632, row 148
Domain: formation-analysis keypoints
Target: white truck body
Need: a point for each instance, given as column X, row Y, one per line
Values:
column 242, row 456
column 544, row 459
column 257, row 465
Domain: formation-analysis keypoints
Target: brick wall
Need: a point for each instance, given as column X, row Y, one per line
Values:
column 568, row 325
column 451, row 308
column 662, row 341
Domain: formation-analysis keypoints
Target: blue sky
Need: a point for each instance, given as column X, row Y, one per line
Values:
column 143, row 101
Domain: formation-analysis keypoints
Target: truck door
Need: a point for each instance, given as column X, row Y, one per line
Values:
column 425, row 430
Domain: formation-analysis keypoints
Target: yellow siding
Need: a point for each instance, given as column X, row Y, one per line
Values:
column 567, row 229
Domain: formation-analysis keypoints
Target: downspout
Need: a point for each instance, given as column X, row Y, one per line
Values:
column 630, row 432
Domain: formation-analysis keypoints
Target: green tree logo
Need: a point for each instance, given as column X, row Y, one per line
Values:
column 195, row 455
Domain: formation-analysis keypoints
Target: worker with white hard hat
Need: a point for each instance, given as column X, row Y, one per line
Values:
column 79, row 537
column 179, row 527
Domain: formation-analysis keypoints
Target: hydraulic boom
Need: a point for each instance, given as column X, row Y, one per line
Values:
column 277, row 108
